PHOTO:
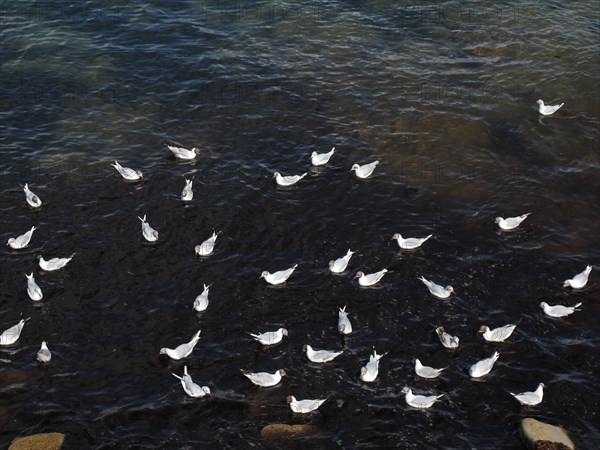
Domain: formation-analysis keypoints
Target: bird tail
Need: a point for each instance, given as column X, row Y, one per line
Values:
column 577, row 305
column 142, row 219
column 255, row 336
column 196, row 336
column 176, row 376
column 427, row 237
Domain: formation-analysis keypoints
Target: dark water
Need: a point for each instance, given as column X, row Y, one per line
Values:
column 442, row 93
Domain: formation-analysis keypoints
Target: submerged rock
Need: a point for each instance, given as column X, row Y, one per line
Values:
column 542, row 436
column 43, row 441
column 283, row 432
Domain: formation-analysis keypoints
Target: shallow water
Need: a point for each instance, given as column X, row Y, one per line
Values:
column 443, row 94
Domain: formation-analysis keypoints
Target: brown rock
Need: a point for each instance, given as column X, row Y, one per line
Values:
column 284, row 432
column 43, row 441
column 542, row 436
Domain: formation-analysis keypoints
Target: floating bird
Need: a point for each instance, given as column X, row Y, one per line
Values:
column 409, row 243
column 365, row 170
column 340, row 264
column 11, row 335
column 184, row 153
column 187, row 194
column 370, row 279
column 437, row 290
column 191, row 388
column 419, row 401
column 54, row 263
column 531, row 398
column 33, row 290
column 344, row 325
column 446, row 339
column 21, row 241
column 303, row 406
column 183, row 350
column 43, row 354
column 426, row 371
column 127, row 173
column 289, row 180
column 580, row 280
column 510, row 223
column 208, row 246
column 270, row 337
column 546, row 110
column 33, row 200
column 371, row 370
column 559, row 310
column 201, row 302
column 150, row 234
column 320, row 159
column 484, row 366
column 320, row 356
column 278, row 277
column 499, row 334
column 265, row 379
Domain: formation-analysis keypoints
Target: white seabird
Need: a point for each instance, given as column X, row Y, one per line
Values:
column 546, row 110
column 371, row 370
column 191, row 388
column 278, row 277
column 182, row 350
column 365, row 170
column 559, row 310
column 149, row 233
column 33, row 290
column 12, row 334
column 409, row 243
column 426, row 371
column 127, row 173
column 33, row 200
column 320, row 356
column 54, row 263
column 447, row 339
column 270, row 337
column 184, row 153
column 436, row 290
column 201, row 302
column 187, row 194
column 510, row 223
column 499, row 334
column 43, row 354
column 531, row 398
column 265, row 379
column 419, row 401
column 344, row 325
column 289, row 180
column 320, row 159
column 340, row 264
column 208, row 246
column 484, row 366
column 21, row 241
column 303, row 406
column 580, row 280
column 369, row 279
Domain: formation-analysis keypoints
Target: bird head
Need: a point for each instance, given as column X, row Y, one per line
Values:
column 282, row 372
column 263, row 275
column 355, row 167
column 396, row 236
column 358, row 275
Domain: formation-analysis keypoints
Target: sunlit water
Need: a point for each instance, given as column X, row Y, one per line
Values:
column 442, row 93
